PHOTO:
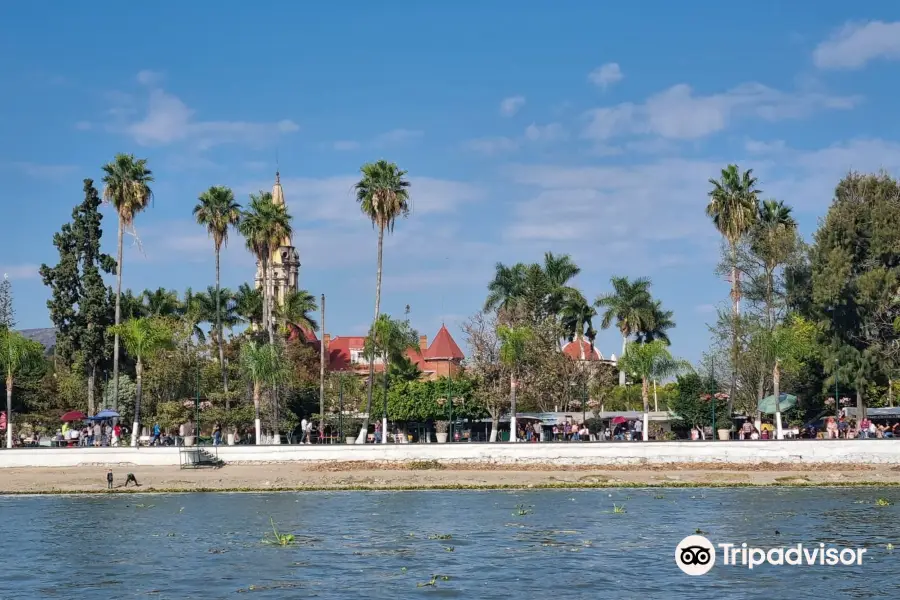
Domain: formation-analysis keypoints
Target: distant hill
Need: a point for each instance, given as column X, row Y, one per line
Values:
column 46, row 336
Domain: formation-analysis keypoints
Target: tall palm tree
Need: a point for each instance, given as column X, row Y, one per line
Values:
column 658, row 325
column 734, row 207
column 264, row 225
column 191, row 313
column 133, row 306
column 127, row 186
column 505, row 290
column 161, row 303
column 389, row 339
column 513, row 346
column 773, row 240
column 142, row 338
column 295, row 311
column 259, row 364
column 559, row 271
column 383, row 196
column 17, row 353
column 630, row 306
column 577, row 318
column 651, row 361
column 217, row 210
column 249, row 304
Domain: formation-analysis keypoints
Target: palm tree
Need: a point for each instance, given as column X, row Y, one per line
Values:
column 217, row 306
column 191, row 313
column 295, row 311
column 513, row 346
column 127, row 186
column 630, row 305
column 161, row 303
column 248, row 304
column 383, row 196
column 264, row 226
column 260, row 364
column 650, row 361
column 389, row 339
column 734, row 207
column 657, row 327
column 217, row 211
column 17, row 353
column 558, row 270
column 142, row 338
column 133, row 306
column 577, row 318
column 773, row 240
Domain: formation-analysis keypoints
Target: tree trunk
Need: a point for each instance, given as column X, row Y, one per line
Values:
column 219, row 332
column 624, row 347
column 139, row 376
column 655, row 398
column 92, row 378
column 890, row 393
column 760, row 394
column 776, row 387
column 579, row 337
column 735, row 315
column 860, row 406
column 371, row 381
column 115, row 398
column 9, row 415
column 270, row 285
column 495, row 426
column 322, row 374
column 277, row 437
column 645, row 396
column 513, row 426
column 256, row 420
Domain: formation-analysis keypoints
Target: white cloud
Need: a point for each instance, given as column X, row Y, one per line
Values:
column 760, row 147
column 855, row 44
column 545, row 133
column 510, row 106
column 606, row 75
column 345, row 145
column 677, row 113
column 14, row 272
column 148, row 77
column 492, row 146
column 41, row 171
column 168, row 120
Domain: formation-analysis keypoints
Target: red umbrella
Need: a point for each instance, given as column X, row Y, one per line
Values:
column 73, row 415
column 619, row 420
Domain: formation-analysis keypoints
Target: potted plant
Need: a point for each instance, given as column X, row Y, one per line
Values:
column 441, row 428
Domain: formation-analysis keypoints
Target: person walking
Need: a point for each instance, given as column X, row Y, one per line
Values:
column 109, row 479
column 217, row 435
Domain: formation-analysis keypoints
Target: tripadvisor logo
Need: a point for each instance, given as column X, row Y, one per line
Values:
column 696, row 555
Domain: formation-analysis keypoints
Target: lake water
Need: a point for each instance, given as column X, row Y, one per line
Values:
column 530, row 544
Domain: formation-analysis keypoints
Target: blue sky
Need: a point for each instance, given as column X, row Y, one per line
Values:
column 525, row 127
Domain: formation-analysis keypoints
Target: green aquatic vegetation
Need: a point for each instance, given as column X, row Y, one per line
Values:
column 699, row 531
column 883, row 502
column 434, row 580
column 440, row 536
column 889, row 547
column 618, row 509
column 522, row 510
column 659, row 497
column 279, row 539
column 449, row 549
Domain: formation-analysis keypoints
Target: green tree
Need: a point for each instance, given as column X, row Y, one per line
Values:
column 383, row 196
column 17, row 353
column 657, row 325
column 7, row 310
column 513, row 350
column 577, row 319
column 142, row 338
column 651, row 361
column 630, row 306
column 259, row 365
column 127, row 186
column 265, row 225
column 248, row 304
column 295, row 311
column 217, row 210
column 388, row 339
column 161, row 303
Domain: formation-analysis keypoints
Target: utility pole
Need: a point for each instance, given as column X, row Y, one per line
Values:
column 322, row 376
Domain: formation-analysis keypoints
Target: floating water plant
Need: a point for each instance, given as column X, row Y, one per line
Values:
column 617, row 509
column 440, row 536
column 699, row 531
column 449, row 548
column 522, row 510
column 434, row 580
column 659, row 497
column 889, row 547
column 883, row 502
column 279, row 539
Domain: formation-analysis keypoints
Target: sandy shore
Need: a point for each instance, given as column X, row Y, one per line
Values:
column 353, row 476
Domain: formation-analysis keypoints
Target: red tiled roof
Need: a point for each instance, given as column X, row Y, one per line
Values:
column 444, row 347
column 572, row 351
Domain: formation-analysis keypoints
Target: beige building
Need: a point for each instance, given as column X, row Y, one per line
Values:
column 284, row 263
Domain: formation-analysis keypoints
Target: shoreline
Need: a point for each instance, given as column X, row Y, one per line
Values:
column 430, row 475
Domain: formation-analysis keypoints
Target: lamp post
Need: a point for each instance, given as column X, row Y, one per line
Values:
column 837, row 401
column 712, row 397
column 584, row 401
column 341, row 403
column 384, row 414
column 197, row 407
column 450, row 400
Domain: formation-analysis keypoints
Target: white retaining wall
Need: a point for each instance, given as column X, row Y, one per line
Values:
column 622, row 453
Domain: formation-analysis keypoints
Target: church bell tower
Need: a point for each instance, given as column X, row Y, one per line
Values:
column 284, row 263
